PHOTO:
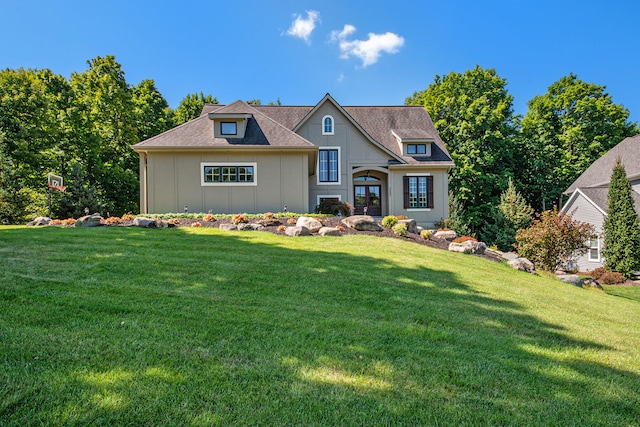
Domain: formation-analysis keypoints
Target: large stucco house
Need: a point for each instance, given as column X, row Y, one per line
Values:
column 588, row 195
column 255, row 159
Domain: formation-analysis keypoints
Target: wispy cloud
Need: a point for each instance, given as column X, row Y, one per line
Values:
column 303, row 27
column 369, row 50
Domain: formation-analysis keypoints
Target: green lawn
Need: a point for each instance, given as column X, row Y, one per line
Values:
column 114, row 325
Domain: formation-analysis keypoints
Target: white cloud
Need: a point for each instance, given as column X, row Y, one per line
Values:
column 301, row 27
column 369, row 50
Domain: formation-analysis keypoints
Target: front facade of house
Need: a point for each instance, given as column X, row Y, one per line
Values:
column 588, row 196
column 255, row 159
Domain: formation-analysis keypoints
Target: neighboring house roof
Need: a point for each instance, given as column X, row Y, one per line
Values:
column 599, row 173
column 597, row 196
column 275, row 125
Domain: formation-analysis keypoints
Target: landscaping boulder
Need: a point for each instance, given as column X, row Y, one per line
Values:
column 90, row 221
column 297, row 231
column 523, row 264
column 41, row 220
column 162, row 223
column 509, row 256
column 411, row 225
column 269, row 222
column 249, row 227
column 144, row 222
column 329, row 231
column 573, row 279
column 468, row 247
column 362, row 223
column 310, row 223
column 589, row 283
column 228, row 227
column 446, row 234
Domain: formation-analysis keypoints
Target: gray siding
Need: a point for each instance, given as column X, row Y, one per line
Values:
column 584, row 211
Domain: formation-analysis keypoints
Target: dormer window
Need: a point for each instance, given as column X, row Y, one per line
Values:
column 417, row 149
column 228, row 128
column 327, row 125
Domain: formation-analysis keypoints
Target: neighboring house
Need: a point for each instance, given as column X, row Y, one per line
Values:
column 255, row 159
column 588, row 195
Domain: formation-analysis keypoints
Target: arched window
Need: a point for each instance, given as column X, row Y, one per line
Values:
column 327, row 125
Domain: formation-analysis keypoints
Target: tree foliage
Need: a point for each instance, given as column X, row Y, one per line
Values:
column 553, row 239
column 191, row 106
column 621, row 226
column 564, row 132
column 473, row 112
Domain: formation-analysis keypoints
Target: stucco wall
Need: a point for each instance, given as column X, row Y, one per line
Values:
column 174, row 180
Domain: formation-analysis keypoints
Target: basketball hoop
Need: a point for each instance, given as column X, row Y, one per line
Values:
column 58, row 187
column 55, row 182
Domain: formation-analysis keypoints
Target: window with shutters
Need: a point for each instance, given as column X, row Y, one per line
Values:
column 418, row 192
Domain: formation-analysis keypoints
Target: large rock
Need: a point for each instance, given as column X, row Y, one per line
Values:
column 297, row 231
column 228, row 227
column 523, row 264
column 41, row 220
column 572, row 279
column 269, row 222
column 90, row 221
column 362, row 223
column 411, row 225
column 144, row 222
column 329, row 231
column 250, row 227
column 311, row 223
column 509, row 256
column 446, row 234
column 468, row 247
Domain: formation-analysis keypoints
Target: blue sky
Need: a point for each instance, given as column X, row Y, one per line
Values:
column 362, row 52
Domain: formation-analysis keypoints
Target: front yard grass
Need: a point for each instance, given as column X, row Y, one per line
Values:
column 118, row 325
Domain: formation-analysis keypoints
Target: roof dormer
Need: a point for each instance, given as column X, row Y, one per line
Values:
column 413, row 142
column 229, row 125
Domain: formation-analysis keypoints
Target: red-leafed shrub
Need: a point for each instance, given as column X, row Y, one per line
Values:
column 281, row 228
column 239, row 219
column 462, row 239
column 209, row 218
column 173, row 221
column 611, row 278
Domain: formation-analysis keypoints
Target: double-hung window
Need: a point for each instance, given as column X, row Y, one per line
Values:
column 228, row 174
column 329, row 165
column 418, row 192
column 594, row 249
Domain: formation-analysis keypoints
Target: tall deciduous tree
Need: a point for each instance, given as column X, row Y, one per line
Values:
column 106, row 109
column 191, row 107
column 152, row 113
column 621, row 226
column 473, row 112
column 563, row 132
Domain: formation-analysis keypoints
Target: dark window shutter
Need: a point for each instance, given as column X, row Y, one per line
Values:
column 405, row 189
column 430, row 192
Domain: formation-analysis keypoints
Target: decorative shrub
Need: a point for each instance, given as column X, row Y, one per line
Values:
column 68, row 221
column 611, row 278
column 55, row 222
column 292, row 221
column 268, row 215
column 400, row 230
column 334, row 207
column 282, row 228
column 425, row 234
column 401, row 217
column 173, row 221
column 597, row 273
column 443, row 224
column 340, row 228
column 444, row 229
column 389, row 221
column 209, row 218
column 113, row 220
column 128, row 217
column 196, row 224
column 462, row 239
column 239, row 219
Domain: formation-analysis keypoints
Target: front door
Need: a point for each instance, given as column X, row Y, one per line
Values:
column 368, row 200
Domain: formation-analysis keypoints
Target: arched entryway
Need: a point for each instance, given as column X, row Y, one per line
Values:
column 367, row 192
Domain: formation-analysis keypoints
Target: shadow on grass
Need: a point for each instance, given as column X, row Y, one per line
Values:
column 132, row 326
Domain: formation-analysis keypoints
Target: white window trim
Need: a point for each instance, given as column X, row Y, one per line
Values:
column 333, row 125
column 339, row 181
column 229, row 184
column 596, row 247
column 327, row 196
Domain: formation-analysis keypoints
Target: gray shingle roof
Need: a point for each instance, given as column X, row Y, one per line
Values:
column 273, row 126
column 599, row 194
column 599, row 173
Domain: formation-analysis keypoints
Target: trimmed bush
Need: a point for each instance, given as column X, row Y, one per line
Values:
column 425, row 234
column 389, row 221
column 209, row 218
column 462, row 239
column 400, row 230
column 239, row 219
column 113, row 220
column 612, row 278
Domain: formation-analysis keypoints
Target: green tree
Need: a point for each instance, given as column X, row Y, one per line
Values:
column 563, row 133
column 513, row 214
column 473, row 112
column 152, row 113
column 79, row 194
column 14, row 196
column 191, row 107
column 105, row 109
column 553, row 239
column 621, row 249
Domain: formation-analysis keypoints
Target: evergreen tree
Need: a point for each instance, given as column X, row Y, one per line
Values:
column 78, row 196
column 513, row 214
column 621, row 226
column 14, row 196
